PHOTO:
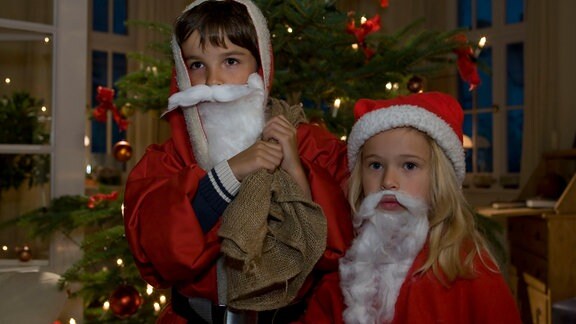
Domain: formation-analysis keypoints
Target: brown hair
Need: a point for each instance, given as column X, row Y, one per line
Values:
column 216, row 20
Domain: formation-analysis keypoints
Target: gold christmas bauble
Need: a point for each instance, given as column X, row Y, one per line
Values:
column 122, row 151
column 127, row 110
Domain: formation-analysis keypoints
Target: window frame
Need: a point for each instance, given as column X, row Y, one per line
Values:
column 110, row 43
column 499, row 35
column 66, row 148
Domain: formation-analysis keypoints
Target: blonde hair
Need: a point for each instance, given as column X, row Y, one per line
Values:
column 453, row 239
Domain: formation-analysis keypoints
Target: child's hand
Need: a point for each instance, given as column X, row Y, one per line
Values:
column 279, row 129
column 261, row 155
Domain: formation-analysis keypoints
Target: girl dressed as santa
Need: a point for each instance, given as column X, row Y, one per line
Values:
column 417, row 256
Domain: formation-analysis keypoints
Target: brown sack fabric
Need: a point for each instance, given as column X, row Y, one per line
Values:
column 272, row 236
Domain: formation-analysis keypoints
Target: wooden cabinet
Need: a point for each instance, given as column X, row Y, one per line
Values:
column 542, row 245
column 543, row 259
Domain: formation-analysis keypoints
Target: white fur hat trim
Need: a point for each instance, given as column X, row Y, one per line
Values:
column 381, row 120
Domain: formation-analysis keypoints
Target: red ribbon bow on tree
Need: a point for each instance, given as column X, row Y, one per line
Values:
column 466, row 62
column 97, row 198
column 369, row 26
column 105, row 99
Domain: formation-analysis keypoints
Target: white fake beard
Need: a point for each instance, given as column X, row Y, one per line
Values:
column 375, row 267
column 232, row 127
column 232, row 118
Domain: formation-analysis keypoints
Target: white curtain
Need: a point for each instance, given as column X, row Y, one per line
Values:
column 541, row 98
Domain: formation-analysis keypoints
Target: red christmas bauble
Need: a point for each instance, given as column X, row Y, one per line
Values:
column 125, row 301
column 122, row 151
column 24, row 253
column 415, row 84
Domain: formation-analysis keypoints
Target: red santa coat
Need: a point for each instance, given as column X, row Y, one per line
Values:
column 423, row 299
column 167, row 242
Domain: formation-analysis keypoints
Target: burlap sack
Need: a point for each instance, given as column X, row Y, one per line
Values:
column 272, row 236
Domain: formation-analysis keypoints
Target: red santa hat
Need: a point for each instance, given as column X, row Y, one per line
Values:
column 436, row 114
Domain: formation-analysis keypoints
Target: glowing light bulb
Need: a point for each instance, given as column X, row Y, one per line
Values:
column 337, row 103
column 336, row 107
column 482, row 42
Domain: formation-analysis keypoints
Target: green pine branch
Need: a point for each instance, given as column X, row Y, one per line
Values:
column 314, row 60
column 147, row 88
column 97, row 274
column 314, row 64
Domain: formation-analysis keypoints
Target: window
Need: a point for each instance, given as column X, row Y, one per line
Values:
column 110, row 41
column 42, row 100
column 103, row 10
column 494, row 111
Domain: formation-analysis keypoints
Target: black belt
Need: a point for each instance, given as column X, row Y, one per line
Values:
column 283, row 315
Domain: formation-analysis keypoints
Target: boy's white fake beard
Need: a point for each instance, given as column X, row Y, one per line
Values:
column 375, row 267
column 232, row 118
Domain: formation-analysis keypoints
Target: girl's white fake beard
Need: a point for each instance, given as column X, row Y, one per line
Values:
column 376, row 265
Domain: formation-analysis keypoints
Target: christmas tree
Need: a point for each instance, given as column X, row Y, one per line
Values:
column 21, row 124
column 324, row 58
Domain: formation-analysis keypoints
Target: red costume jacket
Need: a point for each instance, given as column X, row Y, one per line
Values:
column 168, row 245
column 423, row 299
column 171, row 248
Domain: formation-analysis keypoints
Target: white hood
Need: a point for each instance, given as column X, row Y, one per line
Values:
column 264, row 46
column 194, row 123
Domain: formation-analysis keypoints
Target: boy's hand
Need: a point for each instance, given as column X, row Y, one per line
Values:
column 279, row 129
column 261, row 155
